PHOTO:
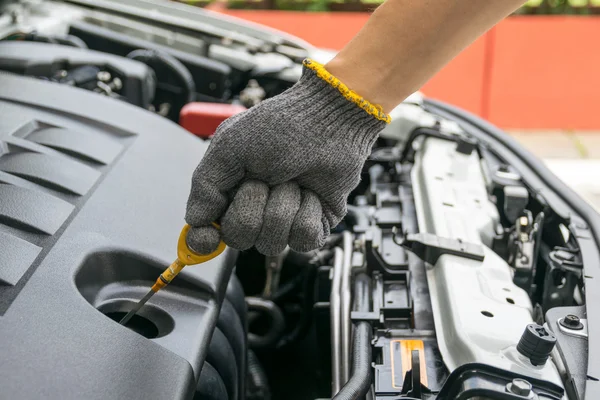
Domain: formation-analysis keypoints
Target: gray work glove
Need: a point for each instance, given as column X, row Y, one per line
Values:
column 280, row 173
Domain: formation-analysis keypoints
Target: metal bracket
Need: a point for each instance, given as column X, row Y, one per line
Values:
column 582, row 333
column 429, row 247
column 273, row 266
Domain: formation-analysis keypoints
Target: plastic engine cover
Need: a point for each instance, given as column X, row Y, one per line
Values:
column 92, row 199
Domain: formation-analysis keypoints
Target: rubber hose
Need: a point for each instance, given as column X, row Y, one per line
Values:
column 183, row 74
column 370, row 395
column 277, row 323
column 229, row 323
column 420, row 131
column 258, row 383
column 360, row 381
column 72, row 40
column 222, row 358
column 235, row 294
column 66, row 40
column 210, row 385
column 303, row 325
column 36, row 37
column 288, row 288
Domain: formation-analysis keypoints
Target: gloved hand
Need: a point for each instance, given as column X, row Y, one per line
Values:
column 280, row 173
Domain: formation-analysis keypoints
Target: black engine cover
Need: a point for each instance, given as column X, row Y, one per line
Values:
column 92, row 199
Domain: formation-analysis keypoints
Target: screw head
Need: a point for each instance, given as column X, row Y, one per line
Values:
column 572, row 322
column 519, row 387
column 103, row 76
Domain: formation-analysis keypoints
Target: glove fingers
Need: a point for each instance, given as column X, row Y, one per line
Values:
column 243, row 219
column 282, row 207
column 203, row 239
column 310, row 228
column 205, row 204
column 212, row 180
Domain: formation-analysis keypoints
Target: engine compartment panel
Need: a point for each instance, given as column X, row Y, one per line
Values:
column 452, row 258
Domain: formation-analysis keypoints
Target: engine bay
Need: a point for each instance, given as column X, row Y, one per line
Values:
column 458, row 273
column 101, row 48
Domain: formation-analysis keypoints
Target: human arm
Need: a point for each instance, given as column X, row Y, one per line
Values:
column 280, row 173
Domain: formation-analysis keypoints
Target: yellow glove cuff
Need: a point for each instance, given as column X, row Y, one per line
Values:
column 373, row 109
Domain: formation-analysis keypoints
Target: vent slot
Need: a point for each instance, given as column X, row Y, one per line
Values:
column 84, row 145
column 33, row 210
column 56, row 173
column 16, row 256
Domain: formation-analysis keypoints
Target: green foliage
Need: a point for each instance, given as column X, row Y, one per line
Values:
column 531, row 7
column 558, row 7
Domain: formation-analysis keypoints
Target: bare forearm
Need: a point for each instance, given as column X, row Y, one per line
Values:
column 405, row 42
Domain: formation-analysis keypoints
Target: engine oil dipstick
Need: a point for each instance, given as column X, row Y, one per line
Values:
column 185, row 257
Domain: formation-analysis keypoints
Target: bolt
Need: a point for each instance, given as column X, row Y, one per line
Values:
column 519, row 387
column 572, row 322
column 117, row 84
column 103, row 76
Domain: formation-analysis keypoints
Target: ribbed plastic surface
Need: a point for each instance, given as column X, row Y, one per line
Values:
column 92, row 200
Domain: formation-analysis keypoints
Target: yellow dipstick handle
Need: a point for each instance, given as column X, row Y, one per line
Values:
column 185, row 256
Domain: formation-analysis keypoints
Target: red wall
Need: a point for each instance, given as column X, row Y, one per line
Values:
column 529, row 72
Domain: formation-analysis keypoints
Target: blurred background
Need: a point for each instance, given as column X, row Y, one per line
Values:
column 536, row 74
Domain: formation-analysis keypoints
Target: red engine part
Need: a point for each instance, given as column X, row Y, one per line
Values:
column 202, row 119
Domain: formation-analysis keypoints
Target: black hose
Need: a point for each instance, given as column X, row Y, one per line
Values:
column 66, row 40
column 288, row 288
column 222, row 357
column 230, row 324
column 360, row 381
column 417, row 132
column 308, row 301
column 73, row 40
column 277, row 323
column 210, row 385
column 258, row 384
column 148, row 56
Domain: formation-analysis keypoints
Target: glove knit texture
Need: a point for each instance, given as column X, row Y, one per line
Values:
column 280, row 173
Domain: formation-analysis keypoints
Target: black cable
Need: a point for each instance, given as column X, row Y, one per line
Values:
column 149, row 56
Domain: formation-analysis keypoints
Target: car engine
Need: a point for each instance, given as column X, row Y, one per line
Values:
column 461, row 270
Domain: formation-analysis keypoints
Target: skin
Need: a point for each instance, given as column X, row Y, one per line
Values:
column 405, row 42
